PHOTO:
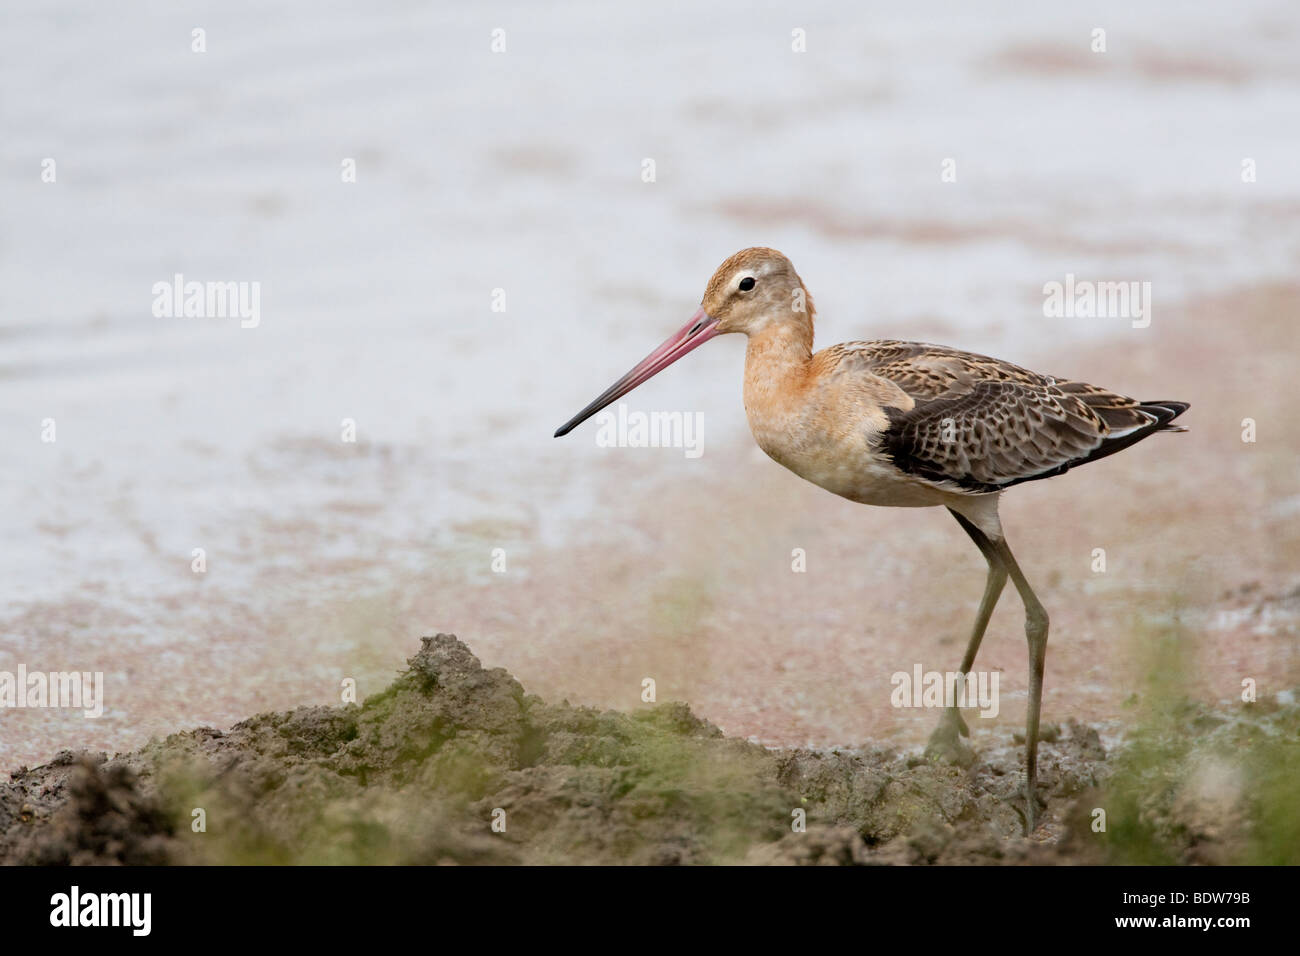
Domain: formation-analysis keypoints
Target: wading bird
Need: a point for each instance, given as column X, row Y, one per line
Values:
column 906, row 424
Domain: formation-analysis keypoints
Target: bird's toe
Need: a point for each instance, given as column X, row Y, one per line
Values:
column 946, row 744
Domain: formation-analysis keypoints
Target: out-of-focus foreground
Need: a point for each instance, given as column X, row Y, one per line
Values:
column 455, row 764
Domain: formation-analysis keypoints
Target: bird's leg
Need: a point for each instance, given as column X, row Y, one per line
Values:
column 1036, row 632
column 944, row 741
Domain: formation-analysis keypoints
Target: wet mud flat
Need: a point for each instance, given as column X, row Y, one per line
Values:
column 455, row 763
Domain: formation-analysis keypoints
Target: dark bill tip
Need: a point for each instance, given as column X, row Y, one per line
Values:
column 693, row 334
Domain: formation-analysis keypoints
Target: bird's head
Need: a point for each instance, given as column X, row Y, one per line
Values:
column 756, row 289
column 752, row 291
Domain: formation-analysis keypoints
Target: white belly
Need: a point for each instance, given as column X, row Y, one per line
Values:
column 849, row 467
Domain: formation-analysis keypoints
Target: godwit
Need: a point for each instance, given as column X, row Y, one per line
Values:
column 906, row 424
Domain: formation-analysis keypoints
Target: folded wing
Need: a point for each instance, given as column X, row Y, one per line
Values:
column 979, row 425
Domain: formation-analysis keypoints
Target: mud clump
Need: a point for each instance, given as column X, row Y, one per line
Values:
column 417, row 774
column 455, row 763
column 103, row 818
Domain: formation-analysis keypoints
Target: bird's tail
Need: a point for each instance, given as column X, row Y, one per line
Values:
column 1165, row 413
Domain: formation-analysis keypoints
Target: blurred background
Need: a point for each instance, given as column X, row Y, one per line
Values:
column 522, row 171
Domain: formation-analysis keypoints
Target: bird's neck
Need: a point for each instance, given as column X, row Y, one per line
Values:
column 777, row 362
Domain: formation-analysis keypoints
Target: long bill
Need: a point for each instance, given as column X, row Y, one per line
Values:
column 691, row 336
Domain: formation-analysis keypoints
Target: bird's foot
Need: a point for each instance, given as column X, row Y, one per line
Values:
column 946, row 743
column 1029, row 809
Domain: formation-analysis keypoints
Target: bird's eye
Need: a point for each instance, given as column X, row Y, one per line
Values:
column 746, row 283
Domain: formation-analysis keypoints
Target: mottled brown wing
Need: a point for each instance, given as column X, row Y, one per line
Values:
column 992, row 436
column 983, row 425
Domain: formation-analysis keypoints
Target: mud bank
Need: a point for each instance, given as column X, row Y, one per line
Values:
column 419, row 773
